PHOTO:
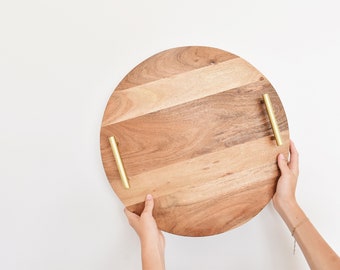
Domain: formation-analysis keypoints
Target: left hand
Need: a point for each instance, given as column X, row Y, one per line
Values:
column 145, row 225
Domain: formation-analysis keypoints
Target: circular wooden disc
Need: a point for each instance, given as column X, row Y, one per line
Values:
column 192, row 130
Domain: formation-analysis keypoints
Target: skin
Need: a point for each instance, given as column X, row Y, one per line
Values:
column 317, row 252
column 151, row 238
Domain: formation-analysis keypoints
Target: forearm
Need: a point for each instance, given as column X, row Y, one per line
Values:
column 318, row 253
column 152, row 256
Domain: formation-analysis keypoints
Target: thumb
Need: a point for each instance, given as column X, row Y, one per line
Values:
column 282, row 162
column 149, row 203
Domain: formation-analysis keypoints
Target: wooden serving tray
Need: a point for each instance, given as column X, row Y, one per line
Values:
column 192, row 130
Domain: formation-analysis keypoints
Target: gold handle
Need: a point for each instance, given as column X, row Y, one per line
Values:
column 119, row 162
column 272, row 119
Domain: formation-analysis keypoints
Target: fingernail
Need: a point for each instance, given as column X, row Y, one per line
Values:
column 149, row 197
column 281, row 156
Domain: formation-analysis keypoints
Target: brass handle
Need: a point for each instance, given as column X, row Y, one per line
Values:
column 272, row 119
column 119, row 162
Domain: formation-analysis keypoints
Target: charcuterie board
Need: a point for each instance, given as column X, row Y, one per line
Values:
column 192, row 129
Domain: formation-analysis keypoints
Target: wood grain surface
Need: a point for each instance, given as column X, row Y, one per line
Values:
column 193, row 131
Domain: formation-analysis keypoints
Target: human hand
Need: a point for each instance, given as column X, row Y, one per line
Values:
column 151, row 238
column 284, row 196
column 318, row 253
column 145, row 224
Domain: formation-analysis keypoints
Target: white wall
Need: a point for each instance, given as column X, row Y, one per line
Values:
column 60, row 61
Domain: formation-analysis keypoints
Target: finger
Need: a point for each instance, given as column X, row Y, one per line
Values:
column 294, row 158
column 132, row 217
column 282, row 162
column 149, row 203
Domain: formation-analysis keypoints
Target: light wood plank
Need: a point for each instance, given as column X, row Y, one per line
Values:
column 172, row 62
column 179, row 89
column 212, row 170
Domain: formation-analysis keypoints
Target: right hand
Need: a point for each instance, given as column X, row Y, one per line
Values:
column 286, row 185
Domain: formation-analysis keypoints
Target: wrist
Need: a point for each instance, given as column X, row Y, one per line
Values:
column 286, row 206
column 292, row 214
column 152, row 244
column 290, row 206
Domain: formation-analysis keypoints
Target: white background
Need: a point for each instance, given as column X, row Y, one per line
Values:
column 59, row 63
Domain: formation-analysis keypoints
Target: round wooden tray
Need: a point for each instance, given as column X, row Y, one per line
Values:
column 193, row 130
